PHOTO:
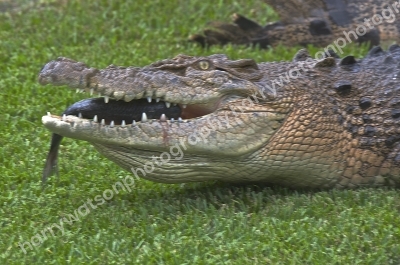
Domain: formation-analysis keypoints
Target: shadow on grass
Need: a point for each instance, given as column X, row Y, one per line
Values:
column 154, row 201
column 249, row 197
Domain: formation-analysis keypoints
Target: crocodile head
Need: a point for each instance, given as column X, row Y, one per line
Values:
column 182, row 119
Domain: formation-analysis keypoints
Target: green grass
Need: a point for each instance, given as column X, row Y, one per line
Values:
column 202, row 223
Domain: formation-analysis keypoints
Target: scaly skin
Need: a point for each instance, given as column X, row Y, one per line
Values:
column 316, row 22
column 334, row 124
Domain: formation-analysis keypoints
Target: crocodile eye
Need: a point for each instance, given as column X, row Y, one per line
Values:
column 204, row 65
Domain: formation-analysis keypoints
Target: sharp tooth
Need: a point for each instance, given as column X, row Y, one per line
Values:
column 106, row 99
column 157, row 99
column 167, row 104
column 80, row 115
column 129, row 97
column 163, row 117
column 172, row 119
column 144, row 117
column 180, row 119
column 95, row 118
column 149, row 99
column 103, row 122
column 123, row 124
column 78, row 90
column 91, row 91
column 118, row 95
column 99, row 95
column 112, row 124
column 64, row 117
column 48, row 114
column 133, row 123
column 184, row 106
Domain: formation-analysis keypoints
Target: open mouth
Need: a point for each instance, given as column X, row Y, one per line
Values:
column 110, row 111
column 118, row 112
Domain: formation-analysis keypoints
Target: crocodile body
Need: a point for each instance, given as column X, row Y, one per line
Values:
column 316, row 123
column 316, row 22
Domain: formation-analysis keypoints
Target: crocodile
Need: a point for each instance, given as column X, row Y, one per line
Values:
column 323, row 122
column 316, row 22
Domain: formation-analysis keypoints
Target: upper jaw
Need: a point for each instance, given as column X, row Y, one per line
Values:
column 153, row 83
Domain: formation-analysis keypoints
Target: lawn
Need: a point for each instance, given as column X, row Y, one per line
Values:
column 200, row 223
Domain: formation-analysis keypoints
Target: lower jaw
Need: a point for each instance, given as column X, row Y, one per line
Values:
column 148, row 165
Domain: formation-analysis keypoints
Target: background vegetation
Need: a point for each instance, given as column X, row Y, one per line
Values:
column 202, row 223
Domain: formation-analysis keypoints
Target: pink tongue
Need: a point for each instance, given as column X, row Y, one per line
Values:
column 194, row 111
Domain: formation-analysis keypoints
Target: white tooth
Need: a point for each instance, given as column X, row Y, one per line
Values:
column 184, row 106
column 144, row 117
column 157, row 99
column 168, row 104
column 112, row 124
column 64, row 117
column 95, row 118
column 118, row 95
column 123, row 124
column 133, row 123
column 103, row 122
column 106, row 99
column 78, row 90
column 129, row 97
column 99, row 95
column 82, row 90
column 172, row 119
column 48, row 114
column 91, row 91
column 149, row 99
column 80, row 115
column 163, row 117
column 180, row 119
